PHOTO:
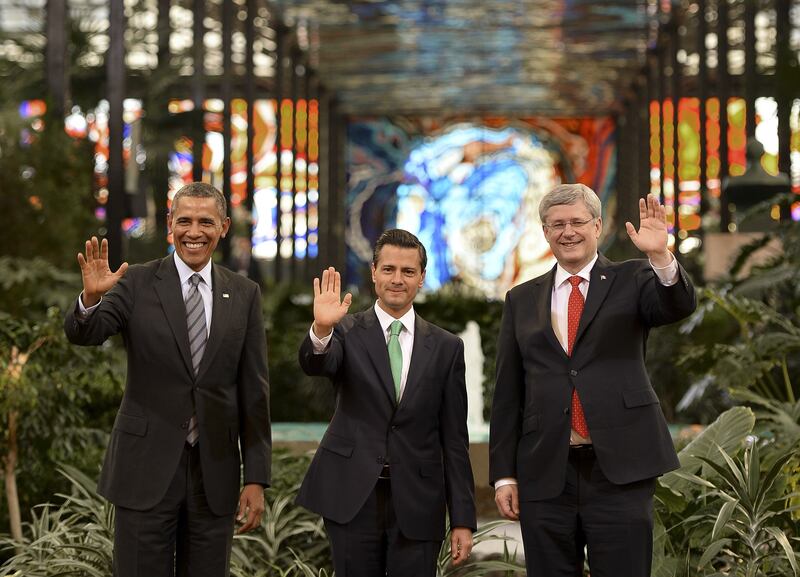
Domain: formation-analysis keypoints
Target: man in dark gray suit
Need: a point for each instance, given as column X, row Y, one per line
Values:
column 577, row 436
column 395, row 456
column 196, row 402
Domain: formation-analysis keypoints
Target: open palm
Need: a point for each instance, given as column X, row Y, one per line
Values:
column 98, row 278
column 329, row 308
column 651, row 237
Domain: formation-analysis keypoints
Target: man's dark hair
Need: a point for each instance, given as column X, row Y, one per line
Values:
column 203, row 190
column 403, row 239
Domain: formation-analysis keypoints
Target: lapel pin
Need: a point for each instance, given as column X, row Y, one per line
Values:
column 602, row 277
column 226, row 295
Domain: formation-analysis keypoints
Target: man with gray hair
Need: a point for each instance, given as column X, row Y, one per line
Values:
column 577, row 434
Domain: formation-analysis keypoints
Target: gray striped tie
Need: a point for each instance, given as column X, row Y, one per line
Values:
column 198, row 334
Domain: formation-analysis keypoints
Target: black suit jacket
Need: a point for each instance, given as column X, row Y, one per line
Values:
column 230, row 393
column 424, row 437
column 530, row 423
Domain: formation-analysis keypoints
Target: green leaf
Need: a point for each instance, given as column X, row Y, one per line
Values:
column 724, row 516
column 711, row 552
column 780, row 537
column 728, row 431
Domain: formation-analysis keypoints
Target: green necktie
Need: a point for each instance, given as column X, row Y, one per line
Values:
column 396, row 355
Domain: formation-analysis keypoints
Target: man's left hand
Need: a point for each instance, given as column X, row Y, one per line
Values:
column 651, row 238
column 251, row 507
column 460, row 544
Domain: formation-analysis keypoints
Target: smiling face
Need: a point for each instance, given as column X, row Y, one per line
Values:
column 398, row 276
column 197, row 226
column 574, row 246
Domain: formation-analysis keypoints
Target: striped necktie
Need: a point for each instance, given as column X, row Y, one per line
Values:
column 198, row 334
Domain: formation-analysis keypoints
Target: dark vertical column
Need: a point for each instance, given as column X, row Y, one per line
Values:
column 281, row 33
column 294, row 62
column 115, row 78
column 55, row 57
column 786, row 75
column 159, row 172
column 227, row 74
column 723, row 91
column 198, row 87
column 676, row 90
column 702, row 94
column 750, row 76
column 250, row 99
column 662, row 97
column 325, row 182
column 651, row 95
column 305, row 271
column 340, row 186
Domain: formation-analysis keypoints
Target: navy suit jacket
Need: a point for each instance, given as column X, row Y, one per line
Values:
column 230, row 393
column 530, row 424
column 424, row 437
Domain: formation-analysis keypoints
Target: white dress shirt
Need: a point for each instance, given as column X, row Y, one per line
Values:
column 406, row 338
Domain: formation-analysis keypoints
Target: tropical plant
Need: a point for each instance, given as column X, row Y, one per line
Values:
column 74, row 538
column 747, row 538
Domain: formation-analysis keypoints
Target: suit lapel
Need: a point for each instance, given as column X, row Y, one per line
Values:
column 375, row 344
column 600, row 281
column 220, row 317
column 543, row 297
column 420, row 355
column 168, row 289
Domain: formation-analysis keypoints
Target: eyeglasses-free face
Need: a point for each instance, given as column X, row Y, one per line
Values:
column 572, row 233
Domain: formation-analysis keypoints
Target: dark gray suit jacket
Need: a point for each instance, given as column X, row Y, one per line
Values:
column 530, row 423
column 424, row 437
column 230, row 393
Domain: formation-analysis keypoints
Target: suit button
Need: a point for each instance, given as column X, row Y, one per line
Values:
column 566, row 410
column 573, row 373
column 394, row 427
column 380, row 460
column 197, row 388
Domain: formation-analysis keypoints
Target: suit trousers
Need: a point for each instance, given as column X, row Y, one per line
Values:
column 613, row 523
column 179, row 536
column 372, row 545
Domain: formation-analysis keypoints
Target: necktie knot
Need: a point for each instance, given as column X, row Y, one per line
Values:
column 395, row 328
column 575, row 280
column 195, row 279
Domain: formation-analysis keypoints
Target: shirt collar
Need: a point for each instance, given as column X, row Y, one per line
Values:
column 184, row 271
column 562, row 275
column 385, row 319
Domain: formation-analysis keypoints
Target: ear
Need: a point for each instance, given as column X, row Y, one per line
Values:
column 598, row 226
column 422, row 279
column 372, row 271
column 226, row 224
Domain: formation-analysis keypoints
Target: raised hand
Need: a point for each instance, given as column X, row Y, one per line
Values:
column 651, row 238
column 97, row 276
column 328, row 308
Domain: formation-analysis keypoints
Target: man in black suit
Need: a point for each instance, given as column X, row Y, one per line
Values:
column 196, row 396
column 577, row 435
column 396, row 452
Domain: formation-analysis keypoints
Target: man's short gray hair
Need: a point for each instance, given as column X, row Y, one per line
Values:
column 202, row 190
column 570, row 194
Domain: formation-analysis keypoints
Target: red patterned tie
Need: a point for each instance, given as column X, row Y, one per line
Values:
column 574, row 311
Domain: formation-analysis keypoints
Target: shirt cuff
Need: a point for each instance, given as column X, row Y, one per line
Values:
column 504, row 481
column 319, row 344
column 83, row 312
column 668, row 275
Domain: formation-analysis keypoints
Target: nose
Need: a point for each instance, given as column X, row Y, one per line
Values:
column 397, row 277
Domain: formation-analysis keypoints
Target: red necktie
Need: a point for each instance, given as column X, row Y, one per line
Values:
column 574, row 311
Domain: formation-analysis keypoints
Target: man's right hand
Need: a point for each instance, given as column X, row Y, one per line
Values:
column 507, row 500
column 328, row 308
column 97, row 276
